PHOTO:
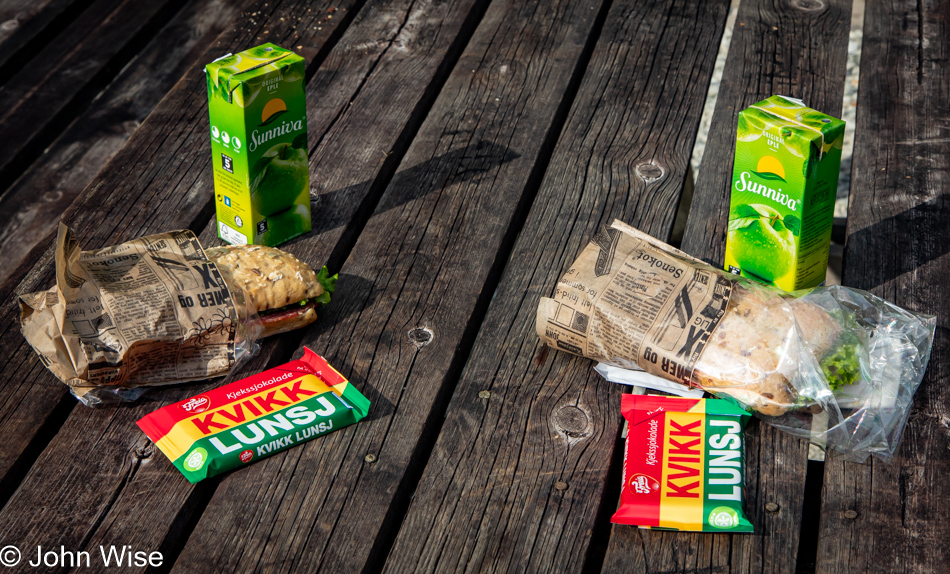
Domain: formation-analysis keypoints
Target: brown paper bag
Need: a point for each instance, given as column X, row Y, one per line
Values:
column 630, row 300
column 151, row 311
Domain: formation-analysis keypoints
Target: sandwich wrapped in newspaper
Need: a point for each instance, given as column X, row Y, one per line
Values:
column 632, row 301
column 151, row 311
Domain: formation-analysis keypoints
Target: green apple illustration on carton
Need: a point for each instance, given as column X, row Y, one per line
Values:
column 294, row 218
column 282, row 175
column 762, row 241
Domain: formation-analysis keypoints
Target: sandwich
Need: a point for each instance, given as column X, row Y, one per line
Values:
column 284, row 291
column 151, row 311
column 632, row 301
column 755, row 352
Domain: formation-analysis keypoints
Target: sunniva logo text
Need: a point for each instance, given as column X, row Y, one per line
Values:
column 286, row 127
column 745, row 183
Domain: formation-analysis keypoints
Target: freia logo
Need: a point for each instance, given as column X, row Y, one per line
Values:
column 196, row 404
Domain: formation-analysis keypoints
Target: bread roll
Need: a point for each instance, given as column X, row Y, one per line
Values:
column 754, row 351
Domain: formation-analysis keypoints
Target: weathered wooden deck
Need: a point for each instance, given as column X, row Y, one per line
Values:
column 462, row 153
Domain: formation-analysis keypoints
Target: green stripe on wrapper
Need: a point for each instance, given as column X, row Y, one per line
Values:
column 725, row 469
column 270, row 434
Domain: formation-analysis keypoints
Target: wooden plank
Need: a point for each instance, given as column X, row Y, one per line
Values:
column 160, row 180
column 517, row 478
column 27, row 25
column 31, row 208
column 879, row 517
column 392, row 48
column 423, row 260
column 798, row 49
column 308, row 27
column 62, row 78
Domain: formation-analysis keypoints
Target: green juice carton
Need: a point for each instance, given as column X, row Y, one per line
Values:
column 259, row 145
column 783, row 193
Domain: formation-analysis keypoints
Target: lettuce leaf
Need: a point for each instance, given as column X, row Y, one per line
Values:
column 329, row 285
column 842, row 366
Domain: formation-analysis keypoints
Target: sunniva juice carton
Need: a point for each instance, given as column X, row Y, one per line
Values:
column 259, row 145
column 783, row 192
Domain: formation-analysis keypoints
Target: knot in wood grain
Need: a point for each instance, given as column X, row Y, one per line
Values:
column 772, row 507
column 571, row 421
column 484, row 394
column 809, row 5
column 370, row 458
column 850, row 514
column 560, row 485
column 420, row 336
column 649, row 172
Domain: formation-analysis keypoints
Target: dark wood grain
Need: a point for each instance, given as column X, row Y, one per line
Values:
column 790, row 48
column 879, row 517
column 518, row 475
column 386, row 45
column 28, row 25
column 160, row 180
column 447, row 223
column 49, row 91
column 31, row 208
column 423, row 260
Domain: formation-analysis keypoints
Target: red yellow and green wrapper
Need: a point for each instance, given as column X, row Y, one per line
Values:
column 684, row 465
column 255, row 417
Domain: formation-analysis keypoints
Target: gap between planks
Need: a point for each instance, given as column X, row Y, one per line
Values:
column 384, row 543
column 34, row 32
column 80, row 100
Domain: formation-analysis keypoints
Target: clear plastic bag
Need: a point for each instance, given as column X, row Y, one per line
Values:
column 872, row 369
column 838, row 366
